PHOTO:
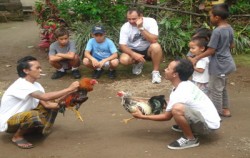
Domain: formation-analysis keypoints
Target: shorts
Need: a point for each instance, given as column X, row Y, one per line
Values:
column 196, row 121
column 202, row 86
column 143, row 52
column 65, row 64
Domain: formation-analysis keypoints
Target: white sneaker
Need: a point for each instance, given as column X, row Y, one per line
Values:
column 137, row 68
column 156, row 77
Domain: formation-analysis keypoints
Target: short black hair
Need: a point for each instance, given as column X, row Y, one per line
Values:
column 137, row 10
column 202, row 33
column 61, row 32
column 221, row 10
column 23, row 63
column 184, row 68
column 201, row 42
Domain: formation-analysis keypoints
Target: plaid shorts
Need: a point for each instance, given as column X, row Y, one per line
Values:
column 39, row 117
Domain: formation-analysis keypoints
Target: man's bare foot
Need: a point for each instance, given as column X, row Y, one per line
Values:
column 22, row 143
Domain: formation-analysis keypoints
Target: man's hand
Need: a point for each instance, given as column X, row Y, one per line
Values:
column 137, row 114
column 139, row 22
column 138, row 57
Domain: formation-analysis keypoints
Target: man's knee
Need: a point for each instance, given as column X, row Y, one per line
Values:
column 125, row 59
column 114, row 63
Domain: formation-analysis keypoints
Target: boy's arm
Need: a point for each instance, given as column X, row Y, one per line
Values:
column 210, row 51
column 69, row 55
column 113, row 56
column 200, row 70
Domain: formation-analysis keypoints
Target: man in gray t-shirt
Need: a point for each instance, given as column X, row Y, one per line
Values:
column 62, row 55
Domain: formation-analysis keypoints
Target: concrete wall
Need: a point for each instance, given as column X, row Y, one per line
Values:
column 28, row 2
column 10, row 10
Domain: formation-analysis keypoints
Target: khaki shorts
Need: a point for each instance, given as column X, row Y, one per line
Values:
column 196, row 121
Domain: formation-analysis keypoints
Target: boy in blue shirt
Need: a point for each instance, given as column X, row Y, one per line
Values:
column 221, row 61
column 62, row 55
column 101, row 53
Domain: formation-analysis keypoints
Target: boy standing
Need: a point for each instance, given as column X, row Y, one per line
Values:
column 221, row 61
column 62, row 55
column 101, row 53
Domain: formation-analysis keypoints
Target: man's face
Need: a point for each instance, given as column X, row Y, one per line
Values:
column 34, row 71
column 63, row 40
column 132, row 18
column 99, row 37
column 170, row 71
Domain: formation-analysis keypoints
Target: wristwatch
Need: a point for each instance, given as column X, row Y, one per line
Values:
column 141, row 28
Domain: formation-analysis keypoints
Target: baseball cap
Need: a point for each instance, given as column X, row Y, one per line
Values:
column 98, row 29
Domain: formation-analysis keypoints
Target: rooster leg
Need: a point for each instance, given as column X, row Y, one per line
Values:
column 77, row 114
column 126, row 120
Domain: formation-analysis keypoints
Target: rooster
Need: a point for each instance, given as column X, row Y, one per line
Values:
column 75, row 99
column 153, row 105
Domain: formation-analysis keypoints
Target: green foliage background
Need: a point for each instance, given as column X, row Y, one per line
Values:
column 175, row 28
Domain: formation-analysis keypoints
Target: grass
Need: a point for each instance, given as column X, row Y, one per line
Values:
column 243, row 59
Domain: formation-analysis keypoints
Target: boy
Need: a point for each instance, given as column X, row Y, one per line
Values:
column 221, row 61
column 191, row 109
column 101, row 53
column 62, row 55
column 200, row 76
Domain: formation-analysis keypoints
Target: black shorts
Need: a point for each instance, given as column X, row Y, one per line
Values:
column 143, row 52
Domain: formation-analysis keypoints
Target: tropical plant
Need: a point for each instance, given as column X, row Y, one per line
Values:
column 242, row 40
column 173, row 36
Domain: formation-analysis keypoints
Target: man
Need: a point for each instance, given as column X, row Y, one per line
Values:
column 191, row 109
column 138, row 43
column 25, row 107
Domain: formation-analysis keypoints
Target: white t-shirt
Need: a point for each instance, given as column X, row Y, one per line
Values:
column 131, row 36
column 17, row 99
column 202, row 77
column 190, row 95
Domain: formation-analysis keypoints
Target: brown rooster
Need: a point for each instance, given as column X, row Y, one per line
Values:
column 75, row 99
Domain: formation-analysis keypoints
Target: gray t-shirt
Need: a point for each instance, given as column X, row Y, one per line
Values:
column 222, row 61
column 55, row 48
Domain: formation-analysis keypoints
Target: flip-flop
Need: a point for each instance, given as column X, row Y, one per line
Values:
column 22, row 141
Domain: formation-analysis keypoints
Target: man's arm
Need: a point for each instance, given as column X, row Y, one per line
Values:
column 145, row 33
column 49, row 105
column 166, row 116
column 57, row 94
column 149, row 36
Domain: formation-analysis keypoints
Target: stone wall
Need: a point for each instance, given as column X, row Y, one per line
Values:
column 11, row 10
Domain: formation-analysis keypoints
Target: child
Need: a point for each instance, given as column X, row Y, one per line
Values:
column 101, row 53
column 200, row 76
column 62, row 55
column 221, row 61
column 200, row 33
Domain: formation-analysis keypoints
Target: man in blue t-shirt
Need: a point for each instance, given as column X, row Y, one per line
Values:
column 101, row 53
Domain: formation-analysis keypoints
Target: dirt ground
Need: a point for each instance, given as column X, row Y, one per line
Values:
column 102, row 134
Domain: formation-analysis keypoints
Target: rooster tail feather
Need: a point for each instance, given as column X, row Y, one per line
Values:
column 157, row 103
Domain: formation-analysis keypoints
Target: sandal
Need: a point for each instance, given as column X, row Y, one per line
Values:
column 23, row 144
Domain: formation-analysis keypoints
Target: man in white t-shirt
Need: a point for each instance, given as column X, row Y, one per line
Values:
column 138, row 43
column 191, row 109
column 25, row 107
